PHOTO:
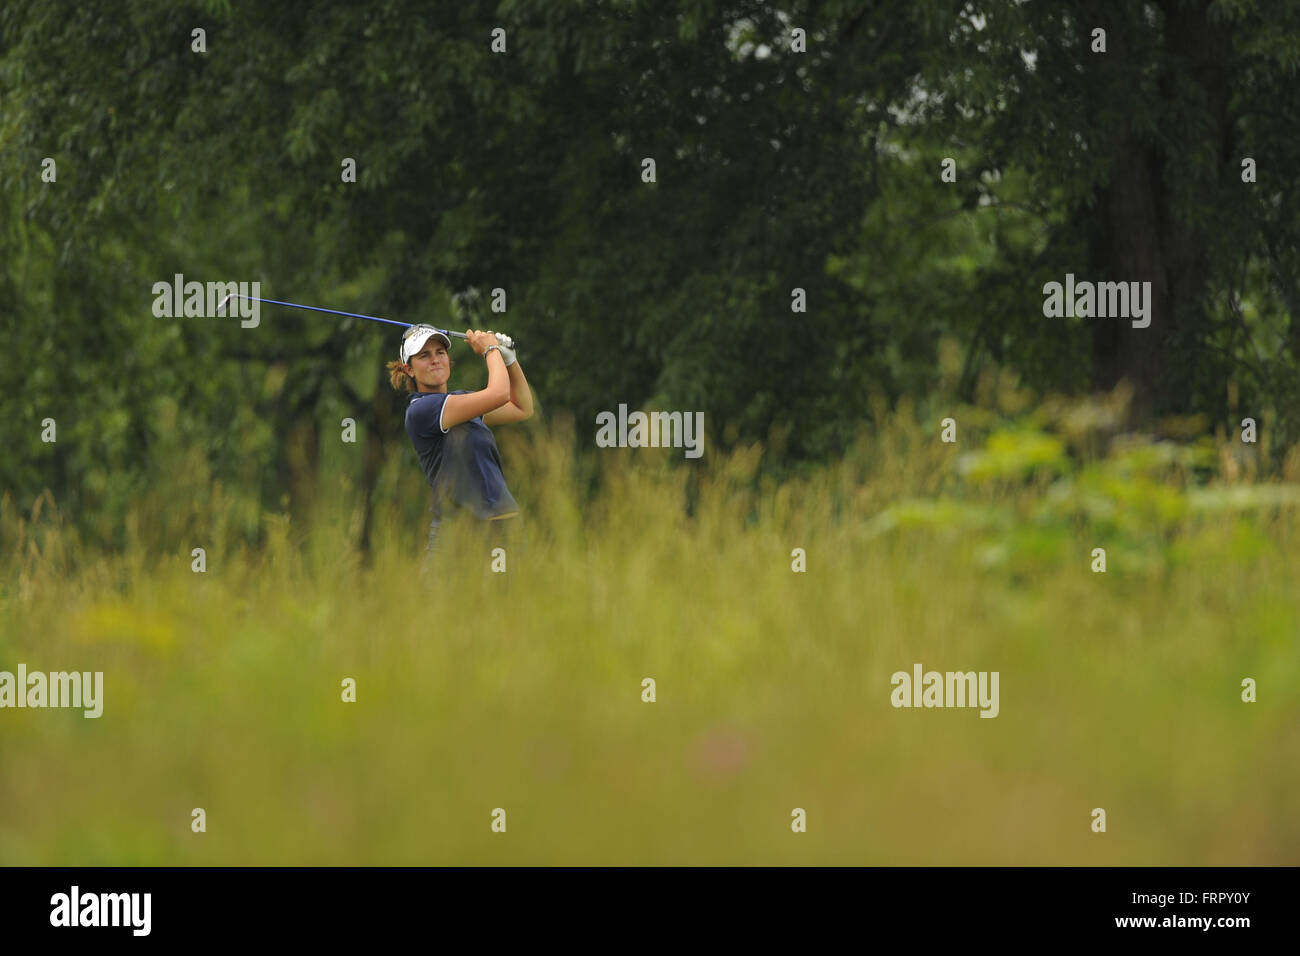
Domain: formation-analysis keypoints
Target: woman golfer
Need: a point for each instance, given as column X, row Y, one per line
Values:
column 450, row 429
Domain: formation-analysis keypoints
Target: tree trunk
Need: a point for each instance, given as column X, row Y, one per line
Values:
column 1139, row 234
column 372, row 461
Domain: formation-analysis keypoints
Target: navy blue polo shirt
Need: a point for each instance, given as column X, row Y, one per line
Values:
column 462, row 464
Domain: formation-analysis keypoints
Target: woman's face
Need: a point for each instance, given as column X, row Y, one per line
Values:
column 431, row 366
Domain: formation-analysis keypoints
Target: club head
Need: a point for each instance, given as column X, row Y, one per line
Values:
column 221, row 308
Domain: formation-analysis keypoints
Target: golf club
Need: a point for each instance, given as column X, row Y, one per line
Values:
column 355, row 315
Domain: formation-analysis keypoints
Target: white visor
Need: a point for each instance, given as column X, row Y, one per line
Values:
column 415, row 337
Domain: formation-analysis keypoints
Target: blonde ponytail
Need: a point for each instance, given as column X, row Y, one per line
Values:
column 398, row 377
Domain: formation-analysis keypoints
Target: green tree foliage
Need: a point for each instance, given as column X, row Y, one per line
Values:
column 776, row 170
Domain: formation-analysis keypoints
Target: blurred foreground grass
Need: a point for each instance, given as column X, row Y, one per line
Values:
column 1118, row 690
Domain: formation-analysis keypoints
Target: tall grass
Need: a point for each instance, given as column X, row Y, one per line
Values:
column 1119, row 690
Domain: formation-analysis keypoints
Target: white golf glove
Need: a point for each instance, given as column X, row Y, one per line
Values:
column 507, row 347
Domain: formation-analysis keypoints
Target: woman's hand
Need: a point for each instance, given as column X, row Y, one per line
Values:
column 507, row 347
column 479, row 341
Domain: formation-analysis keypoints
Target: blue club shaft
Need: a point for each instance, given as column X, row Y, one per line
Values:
column 355, row 315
